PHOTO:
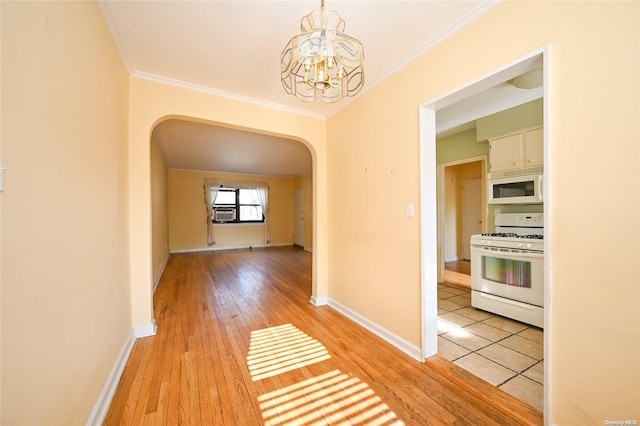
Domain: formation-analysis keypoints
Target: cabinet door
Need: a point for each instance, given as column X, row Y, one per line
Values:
column 506, row 153
column 533, row 147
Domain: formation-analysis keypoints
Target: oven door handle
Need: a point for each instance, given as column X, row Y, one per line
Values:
column 507, row 253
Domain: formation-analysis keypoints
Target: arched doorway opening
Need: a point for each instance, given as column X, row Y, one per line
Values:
column 185, row 150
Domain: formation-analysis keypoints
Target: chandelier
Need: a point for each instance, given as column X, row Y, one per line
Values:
column 322, row 63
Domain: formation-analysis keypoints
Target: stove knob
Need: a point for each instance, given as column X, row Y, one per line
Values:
column 529, row 245
column 520, row 244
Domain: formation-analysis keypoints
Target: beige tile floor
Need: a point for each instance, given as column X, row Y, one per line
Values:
column 506, row 353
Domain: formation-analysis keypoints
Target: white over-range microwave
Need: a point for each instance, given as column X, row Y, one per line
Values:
column 515, row 189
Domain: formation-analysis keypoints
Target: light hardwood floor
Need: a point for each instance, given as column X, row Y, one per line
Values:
column 462, row 266
column 458, row 272
column 239, row 343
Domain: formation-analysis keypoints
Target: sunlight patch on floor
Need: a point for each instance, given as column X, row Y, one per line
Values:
column 276, row 350
column 332, row 398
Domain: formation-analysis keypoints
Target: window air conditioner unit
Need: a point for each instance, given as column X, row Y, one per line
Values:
column 225, row 215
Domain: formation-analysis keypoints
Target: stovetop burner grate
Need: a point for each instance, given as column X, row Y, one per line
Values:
column 513, row 235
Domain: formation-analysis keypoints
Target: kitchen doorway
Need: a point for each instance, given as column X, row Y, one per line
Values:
column 430, row 212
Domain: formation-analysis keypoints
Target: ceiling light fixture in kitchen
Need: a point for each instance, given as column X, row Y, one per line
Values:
column 322, row 63
column 528, row 80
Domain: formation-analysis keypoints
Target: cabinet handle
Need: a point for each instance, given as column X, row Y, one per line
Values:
column 531, row 160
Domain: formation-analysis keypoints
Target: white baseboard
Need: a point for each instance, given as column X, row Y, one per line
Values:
column 407, row 347
column 108, row 391
column 319, row 301
column 215, row 248
column 145, row 330
column 104, row 401
column 157, row 279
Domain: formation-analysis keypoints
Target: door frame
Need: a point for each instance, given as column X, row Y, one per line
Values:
column 429, row 210
column 298, row 196
column 440, row 191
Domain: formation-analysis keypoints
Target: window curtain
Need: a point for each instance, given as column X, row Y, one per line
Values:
column 211, row 188
column 263, row 196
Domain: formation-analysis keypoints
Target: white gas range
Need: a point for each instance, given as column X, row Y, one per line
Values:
column 507, row 268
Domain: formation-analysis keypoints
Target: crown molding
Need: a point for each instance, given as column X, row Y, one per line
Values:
column 447, row 32
column 211, row 91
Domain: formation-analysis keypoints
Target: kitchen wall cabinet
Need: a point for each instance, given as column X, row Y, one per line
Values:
column 519, row 150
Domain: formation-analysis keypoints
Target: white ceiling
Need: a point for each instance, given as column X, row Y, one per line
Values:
column 196, row 146
column 232, row 48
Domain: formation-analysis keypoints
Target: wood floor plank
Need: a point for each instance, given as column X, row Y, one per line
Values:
column 239, row 343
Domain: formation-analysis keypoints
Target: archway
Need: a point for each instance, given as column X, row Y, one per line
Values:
column 184, row 149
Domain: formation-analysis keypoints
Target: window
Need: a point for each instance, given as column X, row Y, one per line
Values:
column 237, row 205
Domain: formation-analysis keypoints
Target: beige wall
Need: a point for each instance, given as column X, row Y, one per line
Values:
column 159, row 210
column 594, row 137
column 188, row 218
column 306, row 184
column 65, row 259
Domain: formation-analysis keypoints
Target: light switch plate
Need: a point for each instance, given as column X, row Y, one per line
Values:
column 409, row 209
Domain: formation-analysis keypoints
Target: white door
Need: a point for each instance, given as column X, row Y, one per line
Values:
column 298, row 217
column 471, row 212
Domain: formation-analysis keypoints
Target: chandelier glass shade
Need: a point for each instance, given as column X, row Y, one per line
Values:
column 322, row 63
